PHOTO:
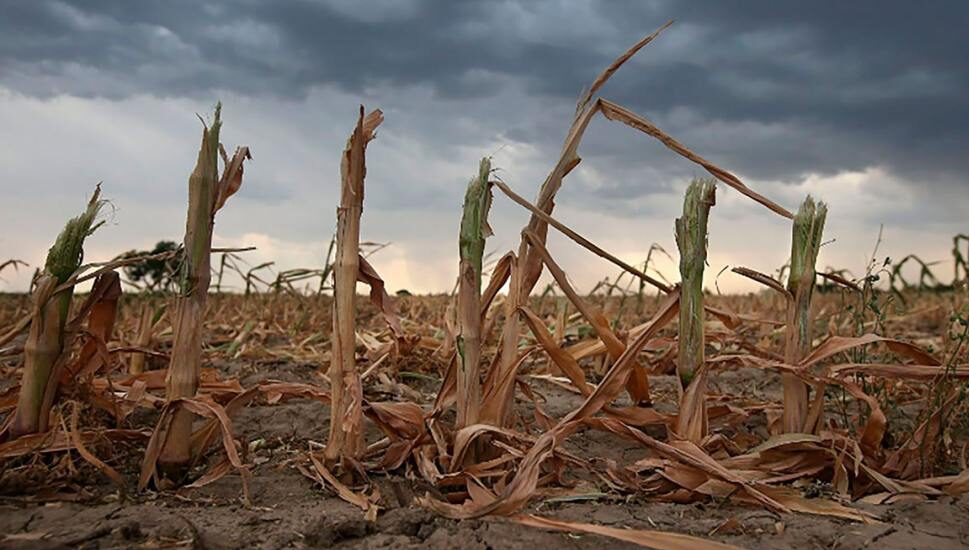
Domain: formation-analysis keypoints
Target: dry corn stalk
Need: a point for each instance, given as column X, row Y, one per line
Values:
column 805, row 242
column 100, row 325
column 691, row 239
column 45, row 342
column 207, row 194
column 474, row 231
column 346, row 433
column 638, row 384
column 529, row 267
column 146, row 325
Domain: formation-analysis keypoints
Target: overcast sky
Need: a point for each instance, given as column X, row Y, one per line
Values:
column 863, row 104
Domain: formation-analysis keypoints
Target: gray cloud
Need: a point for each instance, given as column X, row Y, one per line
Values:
column 780, row 93
column 848, row 84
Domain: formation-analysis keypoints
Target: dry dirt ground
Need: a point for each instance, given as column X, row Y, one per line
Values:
column 290, row 511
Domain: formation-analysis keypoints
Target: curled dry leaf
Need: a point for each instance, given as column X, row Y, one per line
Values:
column 379, row 297
column 231, row 179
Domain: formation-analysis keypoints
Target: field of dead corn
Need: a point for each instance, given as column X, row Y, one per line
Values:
column 828, row 410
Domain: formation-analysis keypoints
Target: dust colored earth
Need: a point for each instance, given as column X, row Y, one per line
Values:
column 291, row 511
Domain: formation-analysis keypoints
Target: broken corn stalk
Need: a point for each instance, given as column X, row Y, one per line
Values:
column 805, row 242
column 207, row 194
column 691, row 239
column 471, row 244
column 346, row 432
column 45, row 342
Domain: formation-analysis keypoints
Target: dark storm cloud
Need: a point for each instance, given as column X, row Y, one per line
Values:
column 276, row 47
column 803, row 86
column 888, row 82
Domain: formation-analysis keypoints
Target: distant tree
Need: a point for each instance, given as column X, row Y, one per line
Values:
column 154, row 274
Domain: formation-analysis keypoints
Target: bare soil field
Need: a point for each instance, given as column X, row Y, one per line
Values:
column 53, row 498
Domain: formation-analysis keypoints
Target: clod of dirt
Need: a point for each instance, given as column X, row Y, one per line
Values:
column 130, row 530
column 412, row 522
column 326, row 531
